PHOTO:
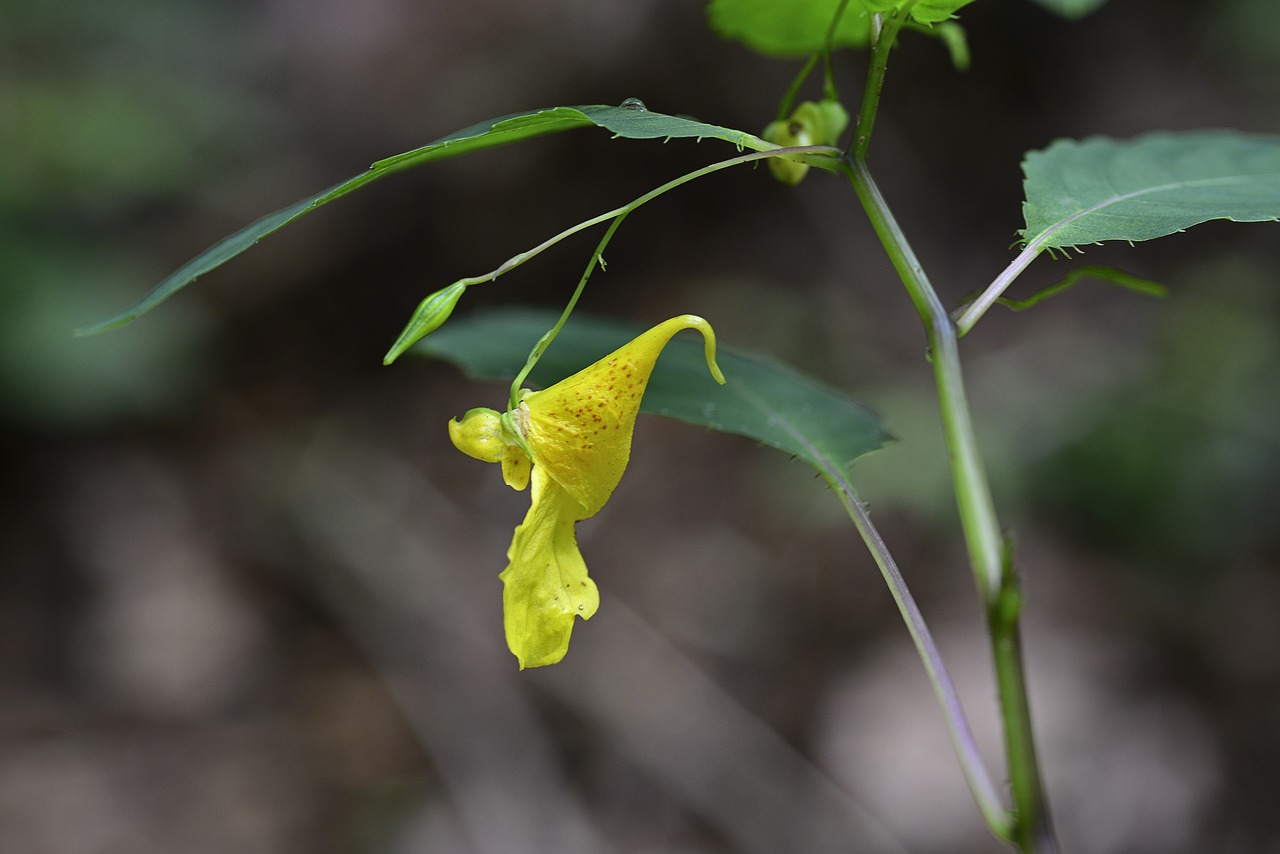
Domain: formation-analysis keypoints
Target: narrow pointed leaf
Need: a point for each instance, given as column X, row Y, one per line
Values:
column 1101, row 272
column 633, row 122
column 641, row 123
column 1098, row 189
column 762, row 400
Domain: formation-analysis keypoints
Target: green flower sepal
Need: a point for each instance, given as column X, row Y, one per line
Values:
column 572, row 442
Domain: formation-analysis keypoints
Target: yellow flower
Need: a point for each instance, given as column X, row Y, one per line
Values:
column 572, row 441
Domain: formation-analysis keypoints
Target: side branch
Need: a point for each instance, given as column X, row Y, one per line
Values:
column 997, row 815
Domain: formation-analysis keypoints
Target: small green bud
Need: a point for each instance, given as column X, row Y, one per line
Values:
column 811, row 124
column 788, row 133
column 430, row 315
column 834, row 121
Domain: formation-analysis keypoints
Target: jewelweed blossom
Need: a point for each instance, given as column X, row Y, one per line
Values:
column 572, row 442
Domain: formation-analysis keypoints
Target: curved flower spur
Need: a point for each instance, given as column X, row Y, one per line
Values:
column 572, row 441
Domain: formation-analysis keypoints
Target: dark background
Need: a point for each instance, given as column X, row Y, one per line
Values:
column 248, row 598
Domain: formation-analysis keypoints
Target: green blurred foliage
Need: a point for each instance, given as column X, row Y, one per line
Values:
column 1072, row 8
column 47, row 286
column 96, row 133
column 1123, row 434
column 1182, row 468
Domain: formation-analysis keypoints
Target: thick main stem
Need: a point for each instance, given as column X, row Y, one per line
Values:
column 996, row 582
column 977, row 510
column 992, row 565
column 1032, row 829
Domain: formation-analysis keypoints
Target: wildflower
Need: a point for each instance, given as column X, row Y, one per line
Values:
column 571, row 442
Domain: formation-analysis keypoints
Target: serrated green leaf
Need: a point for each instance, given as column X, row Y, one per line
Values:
column 1099, row 189
column 640, row 123
column 1072, row 9
column 790, row 28
column 762, row 400
column 632, row 122
column 923, row 11
column 799, row 27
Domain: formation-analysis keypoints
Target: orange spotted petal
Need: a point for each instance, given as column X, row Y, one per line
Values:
column 579, row 430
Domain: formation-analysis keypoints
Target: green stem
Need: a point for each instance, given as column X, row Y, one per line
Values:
column 974, row 310
column 1032, row 829
column 996, row 581
column 1101, row 272
column 618, row 215
column 828, row 84
column 977, row 510
column 884, row 32
column 789, row 99
column 829, row 90
column 966, row 746
column 977, row 516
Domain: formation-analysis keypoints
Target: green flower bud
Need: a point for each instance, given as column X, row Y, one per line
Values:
column 811, row 124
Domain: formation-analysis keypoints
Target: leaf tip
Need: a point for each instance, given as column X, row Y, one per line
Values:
column 94, row 329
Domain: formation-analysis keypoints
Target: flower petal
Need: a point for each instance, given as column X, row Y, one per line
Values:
column 545, row 585
column 479, row 434
column 484, row 434
column 579, row 430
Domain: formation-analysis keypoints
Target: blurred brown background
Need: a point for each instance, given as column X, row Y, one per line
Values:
column 249, row 598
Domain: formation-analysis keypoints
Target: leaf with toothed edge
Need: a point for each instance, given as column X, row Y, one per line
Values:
column 1098, row 189
column 798, row 27
column 761, row 400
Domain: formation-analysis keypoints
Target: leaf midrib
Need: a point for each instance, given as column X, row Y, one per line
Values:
column 1044, row 235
